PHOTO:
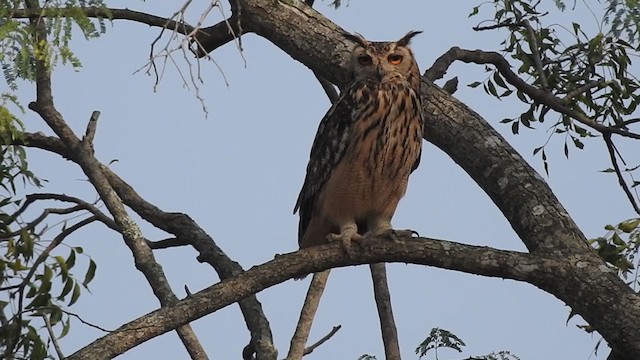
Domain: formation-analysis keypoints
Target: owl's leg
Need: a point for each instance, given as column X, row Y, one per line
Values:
column 348, row 233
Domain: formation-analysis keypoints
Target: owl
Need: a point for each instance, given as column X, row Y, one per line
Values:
column 366, row 147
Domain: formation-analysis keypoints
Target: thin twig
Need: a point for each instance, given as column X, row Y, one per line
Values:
column 385, row 311
column 509, row 24
column 307, row 314
column 537, row 60
column 324, row 339
column 52, row 336
column 588, row 86
column 616, row 168
column 72, row 314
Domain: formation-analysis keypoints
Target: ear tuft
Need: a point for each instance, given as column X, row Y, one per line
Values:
column 405, row 40
column 357, row 38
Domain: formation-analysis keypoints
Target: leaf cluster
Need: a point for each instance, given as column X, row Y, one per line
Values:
column 440, row 338
column 619, row 247
column 590, row 72
column 18, row 45
column 36, row 287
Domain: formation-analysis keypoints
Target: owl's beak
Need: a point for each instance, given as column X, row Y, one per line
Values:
column 380, row 72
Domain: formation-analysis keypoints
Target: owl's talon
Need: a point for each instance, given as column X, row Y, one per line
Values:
column 346, row 236
column 395, row 235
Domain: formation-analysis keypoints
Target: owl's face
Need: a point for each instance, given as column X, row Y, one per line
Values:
column 383, row 61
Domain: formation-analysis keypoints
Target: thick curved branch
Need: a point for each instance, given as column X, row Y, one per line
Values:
column 540, row 271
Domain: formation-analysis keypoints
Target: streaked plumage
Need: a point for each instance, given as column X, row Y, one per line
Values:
column 366, row 147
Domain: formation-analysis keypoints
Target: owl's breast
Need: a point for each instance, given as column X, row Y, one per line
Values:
column 384, row 144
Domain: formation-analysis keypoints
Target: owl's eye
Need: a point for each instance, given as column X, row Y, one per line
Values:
column 364, row 60
column 395, row 59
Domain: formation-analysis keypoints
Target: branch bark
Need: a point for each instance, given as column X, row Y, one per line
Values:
column 385, row 311
column 307, row 314
column 542, row 271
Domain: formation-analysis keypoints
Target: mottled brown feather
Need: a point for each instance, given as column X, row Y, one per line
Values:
column 366, row 146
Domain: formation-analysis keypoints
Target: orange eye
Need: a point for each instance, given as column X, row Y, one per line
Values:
column 364, row 60
column 394, row 59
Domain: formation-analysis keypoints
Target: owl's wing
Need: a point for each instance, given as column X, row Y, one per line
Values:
column 328, row 149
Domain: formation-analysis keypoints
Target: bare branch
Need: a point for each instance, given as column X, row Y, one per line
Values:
column 90, row 134
column 106, row 13
column 307, row 314
column 385, row 311
column 324, row 339
column 168, row 243
column 99, row 215
column 451, row 86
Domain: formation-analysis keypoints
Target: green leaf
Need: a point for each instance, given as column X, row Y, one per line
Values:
column 68, row 285
column 65, row 328
column 75, row 295
column 578, row 143
column 91, row 273
column 71, row 260
column 515, row 127
column 474, row 11
column 474, row 84
column 498, row 80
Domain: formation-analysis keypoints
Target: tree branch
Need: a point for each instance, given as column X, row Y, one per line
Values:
column 183, row 227
column 324, row 339
column 106, row 13
column 385, row 311
column 616, row 168
column 537, row 270
column 307, row 314
column 83, row 156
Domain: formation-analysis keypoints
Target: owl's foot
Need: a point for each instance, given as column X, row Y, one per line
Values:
column 396, row 235
column 348, row 233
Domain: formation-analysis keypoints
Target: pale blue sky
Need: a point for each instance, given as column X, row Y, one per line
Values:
column 238, row 173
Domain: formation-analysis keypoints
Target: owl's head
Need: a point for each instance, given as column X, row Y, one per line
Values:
column 384, row 61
